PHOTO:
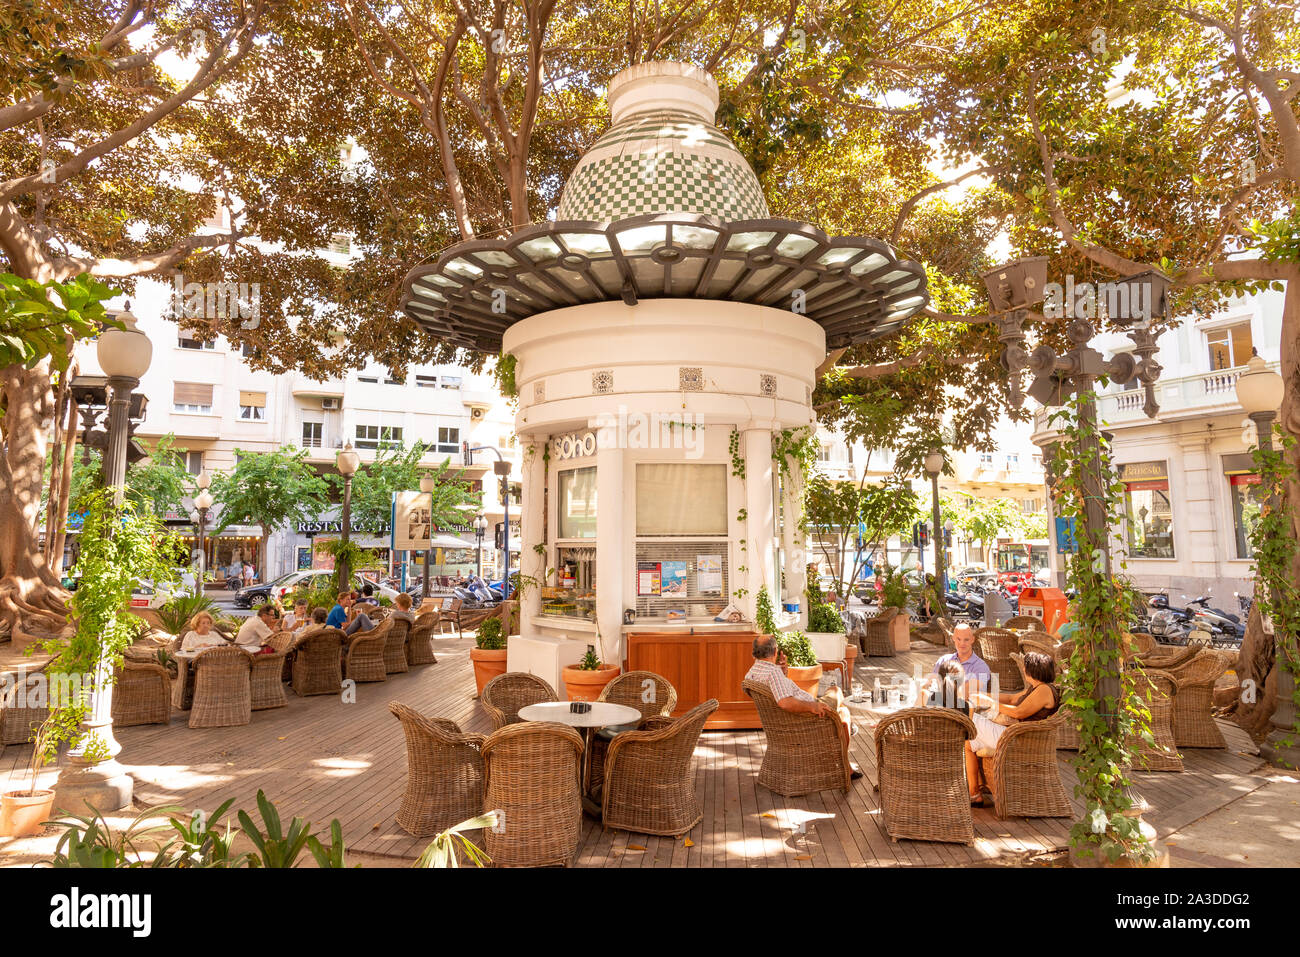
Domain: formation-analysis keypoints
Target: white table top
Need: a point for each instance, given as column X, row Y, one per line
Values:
column 191, row 655
column 602, row 714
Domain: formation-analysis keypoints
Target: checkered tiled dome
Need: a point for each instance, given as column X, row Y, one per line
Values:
column 662, row 154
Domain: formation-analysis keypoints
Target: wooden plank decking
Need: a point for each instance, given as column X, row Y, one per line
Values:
column 321, row 758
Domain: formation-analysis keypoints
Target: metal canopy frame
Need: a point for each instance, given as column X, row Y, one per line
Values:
column 856, row 288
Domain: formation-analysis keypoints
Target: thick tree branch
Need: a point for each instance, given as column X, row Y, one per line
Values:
column 905, row 210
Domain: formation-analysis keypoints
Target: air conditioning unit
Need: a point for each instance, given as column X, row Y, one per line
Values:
column 329, row 403
column 477, row 414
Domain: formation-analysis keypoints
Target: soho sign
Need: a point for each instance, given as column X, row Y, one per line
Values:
column 574, row 445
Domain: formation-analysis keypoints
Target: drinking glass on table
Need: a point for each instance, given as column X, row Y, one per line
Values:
column 857, row 690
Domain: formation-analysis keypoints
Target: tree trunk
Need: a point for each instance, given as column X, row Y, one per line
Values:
column 65, row 490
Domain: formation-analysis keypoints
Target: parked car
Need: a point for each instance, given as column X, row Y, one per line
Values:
column 309, row 579
column 148, row 595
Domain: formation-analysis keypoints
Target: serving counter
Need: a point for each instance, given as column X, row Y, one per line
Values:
column 702, row 662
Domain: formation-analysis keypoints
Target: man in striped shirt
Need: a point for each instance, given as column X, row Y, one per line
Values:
column 769, row 669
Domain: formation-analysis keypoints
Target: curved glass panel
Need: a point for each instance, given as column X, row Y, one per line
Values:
column 796, row 246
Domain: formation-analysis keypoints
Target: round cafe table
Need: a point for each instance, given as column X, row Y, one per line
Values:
column 602, row 715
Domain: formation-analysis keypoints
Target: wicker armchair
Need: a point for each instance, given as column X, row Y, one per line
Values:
column 1023, row 773
column 444, row 773
column 649, row 786
column 316, row 668
column 419, row 640
column 222, row 688
column 17, row 719
column 1168, row 657
column 365, row 654
column 922, row 771
column 142, row 694
column 395, row 646
column 1024, row 623
column 805, row 752
column 267, row 677
column 628, row 689
column 505, row 694
column 450, row 615
column 1158, row 690
column 995, row 646
column 875, row 638
column 1194, row 725
column 940, row 631
column 532, row 776
column 1143, row 644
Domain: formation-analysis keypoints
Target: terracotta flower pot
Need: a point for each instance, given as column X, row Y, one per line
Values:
column 487, row 665
column 809, row 679
column 21, row 812
column 582, row 685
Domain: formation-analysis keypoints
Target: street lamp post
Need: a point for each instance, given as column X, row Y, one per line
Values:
column 90, row 776
column 347, row 462
column 1260, row 392
column 934, row 462
column 480, row 529
column 202, row 502
column 426, row 488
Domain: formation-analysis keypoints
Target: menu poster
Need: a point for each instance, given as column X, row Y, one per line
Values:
column 674, row 579
column 708, row 574
column 649, row 578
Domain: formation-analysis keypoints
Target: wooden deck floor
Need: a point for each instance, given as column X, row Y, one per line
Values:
column 320, row 759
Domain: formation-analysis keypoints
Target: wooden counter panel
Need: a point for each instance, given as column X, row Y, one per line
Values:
column 700, row 666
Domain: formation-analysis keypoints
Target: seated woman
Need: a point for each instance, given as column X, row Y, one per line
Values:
column 201, row 634
column 1038, row 701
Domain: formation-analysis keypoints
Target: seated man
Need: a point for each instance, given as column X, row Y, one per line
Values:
column 358, row 620
column 769, row 669
column 257, row 629
column 338, row 615
column 403, row 610
column 368, row 595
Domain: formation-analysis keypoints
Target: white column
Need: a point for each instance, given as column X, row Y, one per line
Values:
column 610, row 537
column 793, row 540
column 756, row 446
column 531, row 526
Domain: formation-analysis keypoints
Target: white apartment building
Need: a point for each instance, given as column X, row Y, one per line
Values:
column 214, row 403
column 1188, row 473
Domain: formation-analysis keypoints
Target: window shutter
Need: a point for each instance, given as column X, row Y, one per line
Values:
column 256, row 399
column 193, row 393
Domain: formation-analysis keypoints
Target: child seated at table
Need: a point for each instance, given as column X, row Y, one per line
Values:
column 947, row 692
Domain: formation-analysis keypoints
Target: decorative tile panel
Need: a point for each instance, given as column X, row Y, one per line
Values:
column 602, row 381
column 690, row 379
column 539, row 391
column 767, row 384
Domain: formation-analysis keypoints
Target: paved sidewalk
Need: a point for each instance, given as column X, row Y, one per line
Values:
column 1261, row 829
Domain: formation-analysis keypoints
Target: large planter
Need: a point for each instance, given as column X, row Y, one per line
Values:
column 827, row 645
column 487, row 665
column 900, row 631
column 582, row 685
column 809, row 679
column 22, row 812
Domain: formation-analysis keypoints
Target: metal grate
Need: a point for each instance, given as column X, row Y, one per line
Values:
column 695, row 603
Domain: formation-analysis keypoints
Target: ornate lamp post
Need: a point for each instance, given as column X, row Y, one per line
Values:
column 1259, row 391
column 934, row 463
column 426, row 488
column 124, row 355
column 480, row 529
column 202, row 502
column 347, row 461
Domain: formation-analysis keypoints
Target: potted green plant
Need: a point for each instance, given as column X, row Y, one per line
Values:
column 802, row 666
column 587, row 679
column 489, row 652
column 23, row 812
column 826, row 633
column 895, row 593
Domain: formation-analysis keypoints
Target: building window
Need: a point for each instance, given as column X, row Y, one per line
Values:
column 194, row 462
column 675, row 499
column 449, row 381
column 1229, row 346
column 1247, row 497
column 1148, row 509
column 986, row 460
column 372, row 379
column 1013, row 461
column 1031, row 506
column 426, row 382
column 823, row 453
column 448, row 439
column 186, row 340
column 577, row 503
column 252, row 406
column 194, row 397
column 248, row 350
column 1038, row 460
column 389, row 380
column 340, row 243
column 378, row 437
column 311, row 434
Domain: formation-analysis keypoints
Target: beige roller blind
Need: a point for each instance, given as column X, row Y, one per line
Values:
column 673, row 499
column 193, row 393
column 255, row 399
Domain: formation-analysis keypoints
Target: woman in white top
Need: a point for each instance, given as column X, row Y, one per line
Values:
column 201, row 634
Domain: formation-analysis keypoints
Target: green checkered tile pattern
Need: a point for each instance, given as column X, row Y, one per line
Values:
column 618, row 187
column 655, row 127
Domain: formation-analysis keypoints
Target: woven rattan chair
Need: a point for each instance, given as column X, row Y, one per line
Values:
column 1024, row 623
column 142, row 694
column 1194, row 725
column 267, row 677
column 1143, row 644
column 505, row 694
column 450, row 615
column 532, row 776
column 804, row 751
column 444, row 773
column 419, row 640
column 922, row 769
column 17, row 718
column 1023, row 773
column 395, row 646
column 631, row 689
column 946, row 628
column 222, row 689
column 365, row 656
column 649, row 784
column 1158, row 691
column 1168, row 657
column 875, row 638
column 316, row 668
column 995, row 646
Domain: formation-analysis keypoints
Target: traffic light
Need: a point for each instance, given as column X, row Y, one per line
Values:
column 501, row 535
column 466, row 453
column 947, row 538
column 916, row 535
column 924, row 530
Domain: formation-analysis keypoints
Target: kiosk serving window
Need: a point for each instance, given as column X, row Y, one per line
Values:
column 577, row 503
column 681, row 547
column 677, row 499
